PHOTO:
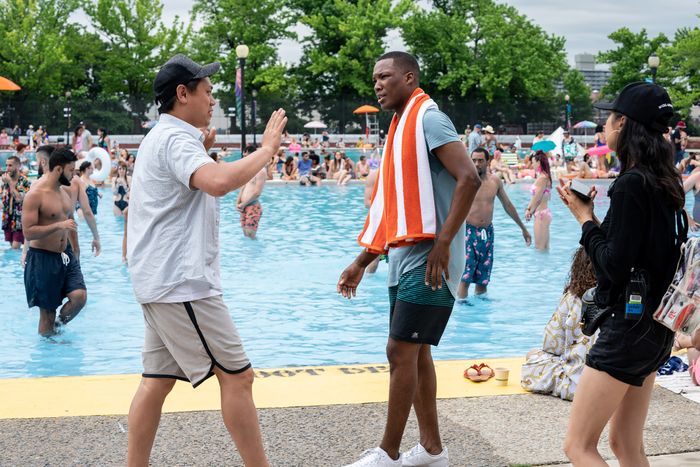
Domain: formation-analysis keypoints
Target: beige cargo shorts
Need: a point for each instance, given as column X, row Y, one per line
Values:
column 187, row 340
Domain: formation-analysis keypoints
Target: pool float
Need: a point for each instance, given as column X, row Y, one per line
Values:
column 598, row 150
column 99, row 153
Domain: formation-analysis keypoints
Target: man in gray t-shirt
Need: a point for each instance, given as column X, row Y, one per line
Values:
column 86, row 136
column 423, row 276
column 476, row 139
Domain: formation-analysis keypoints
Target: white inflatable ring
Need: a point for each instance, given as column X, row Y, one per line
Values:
column 99, row 153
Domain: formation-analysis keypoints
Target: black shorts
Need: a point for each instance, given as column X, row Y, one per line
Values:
column 49, row 277
column 630, row 350
column 417, row 313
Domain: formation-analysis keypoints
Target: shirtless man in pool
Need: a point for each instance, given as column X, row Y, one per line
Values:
column 52, row 271
column 76, row 191
column 479, row 229
column 248, row 202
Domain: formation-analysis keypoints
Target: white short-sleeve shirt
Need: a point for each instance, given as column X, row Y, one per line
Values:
column 173, row 231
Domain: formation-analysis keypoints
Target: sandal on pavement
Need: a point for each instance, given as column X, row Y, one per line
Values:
column 472, row 373
column 479, row 373
column 486, row 372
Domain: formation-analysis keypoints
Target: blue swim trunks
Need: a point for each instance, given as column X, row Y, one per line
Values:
column 479, row 257
column 49, row 277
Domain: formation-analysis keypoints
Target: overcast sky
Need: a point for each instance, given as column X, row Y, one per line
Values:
column 585, row 24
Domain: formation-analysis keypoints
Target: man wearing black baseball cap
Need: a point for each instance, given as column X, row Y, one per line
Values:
column 173, row 252
column 179, row 70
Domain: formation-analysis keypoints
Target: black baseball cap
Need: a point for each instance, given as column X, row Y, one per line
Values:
column 646, row 103
column 179, row 70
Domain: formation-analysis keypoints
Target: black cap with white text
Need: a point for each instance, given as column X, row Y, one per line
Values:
column 646, row 103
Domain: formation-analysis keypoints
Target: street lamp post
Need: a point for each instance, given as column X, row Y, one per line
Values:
column 653, row 63
column 254, row 93
column 567, row 98
column 67, row 113
column 594, row 97
column 242, row 54
column 232, row 116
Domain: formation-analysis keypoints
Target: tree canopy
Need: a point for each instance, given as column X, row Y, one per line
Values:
column 488, row 56
column 629, row 59
column 481, row 60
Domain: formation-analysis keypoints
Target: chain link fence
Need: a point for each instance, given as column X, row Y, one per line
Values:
column 61, row 115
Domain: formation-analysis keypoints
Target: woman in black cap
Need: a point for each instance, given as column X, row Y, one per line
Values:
column 634, row 253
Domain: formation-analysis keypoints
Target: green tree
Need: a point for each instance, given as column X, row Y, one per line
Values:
column 346, row 38
column 34, row 53
column 261, row 25
column 485, row 61
column 33, row 43
column 138, row 43
column 629, row 59
column 679, row 69
column 579, row 93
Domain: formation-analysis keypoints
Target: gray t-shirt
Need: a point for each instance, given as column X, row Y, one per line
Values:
column 86, row 137
column 438, row 130
column 173, row 231
column 475, row 140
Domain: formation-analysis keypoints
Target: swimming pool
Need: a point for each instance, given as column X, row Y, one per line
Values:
column 281, row 292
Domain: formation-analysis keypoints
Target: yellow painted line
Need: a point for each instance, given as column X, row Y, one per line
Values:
column 73, row 396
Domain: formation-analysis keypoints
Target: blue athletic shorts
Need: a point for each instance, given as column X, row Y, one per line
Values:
column 49, row 277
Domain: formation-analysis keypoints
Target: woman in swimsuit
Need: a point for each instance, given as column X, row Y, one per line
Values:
column 327, row 166
column 290, row 170
column 85, row 170
column 120, row 189
column 337, row 166
column 78, row 140
column 501, row 169
column 102, row 139
column 599, row 140
column 130, row 161
column 278, row 161
column 362, row 168
column 539, row 204
column 348, row 171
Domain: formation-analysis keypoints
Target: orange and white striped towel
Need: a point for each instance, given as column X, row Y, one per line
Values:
column 402, row 210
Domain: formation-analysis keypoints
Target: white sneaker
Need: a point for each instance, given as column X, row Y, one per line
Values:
column 419, row 457
column 376, row 457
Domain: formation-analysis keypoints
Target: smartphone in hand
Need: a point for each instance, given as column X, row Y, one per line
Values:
column 580, row 189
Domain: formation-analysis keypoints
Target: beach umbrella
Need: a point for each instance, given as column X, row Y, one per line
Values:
column 545, row 145
column 586, row 125
column 316, row 125
column 365, row 109
column 7, row 85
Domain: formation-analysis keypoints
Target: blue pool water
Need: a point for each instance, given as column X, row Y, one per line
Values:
column 281, row 292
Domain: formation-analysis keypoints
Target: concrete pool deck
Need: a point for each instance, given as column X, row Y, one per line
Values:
column 316, row 416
